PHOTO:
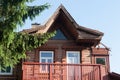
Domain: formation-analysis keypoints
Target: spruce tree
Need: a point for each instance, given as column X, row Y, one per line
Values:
column 13, row 45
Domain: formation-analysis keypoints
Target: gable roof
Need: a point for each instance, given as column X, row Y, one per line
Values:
column 80, row 32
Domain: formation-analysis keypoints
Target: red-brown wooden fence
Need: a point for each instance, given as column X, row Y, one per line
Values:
column 46, row 71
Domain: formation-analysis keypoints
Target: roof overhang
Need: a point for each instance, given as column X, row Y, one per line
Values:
column 61, row 17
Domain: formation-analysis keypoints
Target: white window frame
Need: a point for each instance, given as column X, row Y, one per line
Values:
column 76, row 52
column 46, row 57
column 40, row 58
column 71, row 68
column 7, row 73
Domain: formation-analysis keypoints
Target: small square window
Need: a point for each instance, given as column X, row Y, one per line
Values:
column 6, row 71
column 100, row 61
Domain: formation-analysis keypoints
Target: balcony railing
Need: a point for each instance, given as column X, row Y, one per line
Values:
column 46, row 71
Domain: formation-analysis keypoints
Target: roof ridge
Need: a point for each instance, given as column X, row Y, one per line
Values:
column 55, row 15
column 77, row 25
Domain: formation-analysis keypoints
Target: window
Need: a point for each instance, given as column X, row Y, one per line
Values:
column 100, row 60
column 73, row 57
column 59, row 35
column 46, row 57
column 6, row 71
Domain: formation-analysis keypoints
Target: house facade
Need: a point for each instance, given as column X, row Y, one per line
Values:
column 72, row 54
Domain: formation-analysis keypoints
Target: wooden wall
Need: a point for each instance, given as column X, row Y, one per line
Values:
column 101, row 53
column 60, row 48
column 87, row 55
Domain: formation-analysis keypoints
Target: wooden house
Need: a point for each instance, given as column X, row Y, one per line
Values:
column 70, row 55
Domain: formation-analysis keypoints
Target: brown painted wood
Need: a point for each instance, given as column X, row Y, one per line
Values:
column 55, row 71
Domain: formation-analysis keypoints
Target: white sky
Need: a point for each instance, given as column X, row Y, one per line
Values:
column 102, row 15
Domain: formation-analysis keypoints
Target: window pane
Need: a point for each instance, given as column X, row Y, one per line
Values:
column 100, row 61
column 6, row 70
column 43, row 60
column 59, row 35
column 49, row 60
column 46, row 54
column 70, row 60
column 72, row 55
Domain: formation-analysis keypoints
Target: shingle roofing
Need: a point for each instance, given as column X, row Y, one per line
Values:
column 83, row 32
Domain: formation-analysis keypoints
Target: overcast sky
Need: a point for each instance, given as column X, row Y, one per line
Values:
column 102, row 15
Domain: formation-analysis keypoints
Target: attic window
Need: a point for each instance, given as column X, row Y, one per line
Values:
column 59, row 35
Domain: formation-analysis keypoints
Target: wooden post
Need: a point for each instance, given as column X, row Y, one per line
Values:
column 93, row 73
column 100, row 72
column 50, row 71
column 81, row 72
column 23, row 71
